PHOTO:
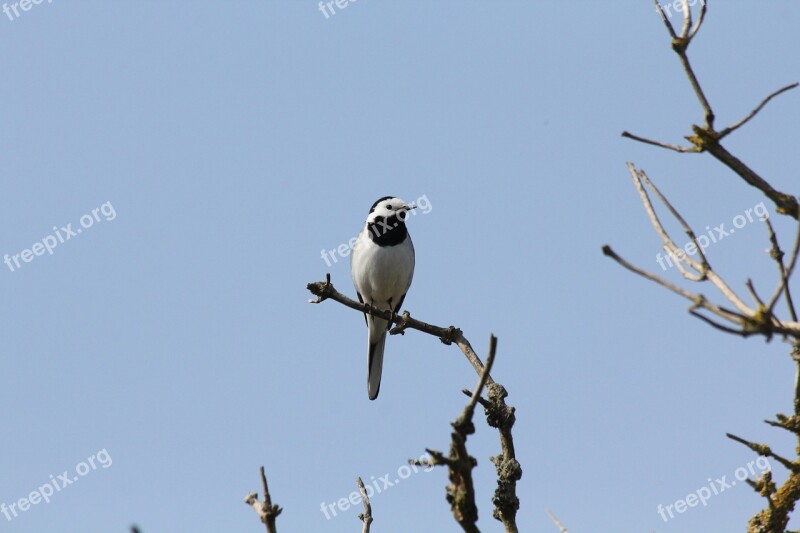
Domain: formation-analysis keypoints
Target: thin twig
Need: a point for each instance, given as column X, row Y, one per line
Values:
column 752, row 290
column 730, row 129
column 700, row 19
column 703, row 266
column 697, row 299
column 748, row 320
column 796, row 358
column 751, row 322
column 664, row 18
column 674, row 147
column 777, row 255
column 266, row 510
column 451, row 335
column 721, row 327
column 679, row 45
column 763, row 449
column 558, row 524
column 786, row 274
column 366, row 516
column 687, row 19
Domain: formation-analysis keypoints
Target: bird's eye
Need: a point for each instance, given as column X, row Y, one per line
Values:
column 389, row 207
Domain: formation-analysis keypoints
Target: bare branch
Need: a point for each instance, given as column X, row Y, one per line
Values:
column 701, row 268
column 680, row 45
column 706, row 138
column 786, row 274
column 558, row 524
column 785, row 204
column 796, row 358
column 698, row 299
column 665, row 19
column 267, row 512
column 721, row 327
column 366, row 516
column 746, row 320
column 730, row 129
column 777, row 255
column 324, row 290
column 789, row 423
column 700, row 19
column 763, row 449
column 687, row 19
column 753, row 293
column 498, row 415
column 743, row 321
column 674, row 147
column 470, row 407
column 509, row 471
column 461, row 490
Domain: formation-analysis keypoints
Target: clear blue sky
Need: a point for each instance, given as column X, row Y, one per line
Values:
column 233, row 141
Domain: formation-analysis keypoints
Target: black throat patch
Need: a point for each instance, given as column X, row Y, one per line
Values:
column 389, row 231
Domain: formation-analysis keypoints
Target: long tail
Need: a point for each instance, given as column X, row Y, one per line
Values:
column 377, row 341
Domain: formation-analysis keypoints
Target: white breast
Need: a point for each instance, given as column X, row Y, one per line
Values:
column 382, row 273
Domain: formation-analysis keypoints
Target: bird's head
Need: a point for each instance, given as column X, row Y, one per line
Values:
column 389, row 207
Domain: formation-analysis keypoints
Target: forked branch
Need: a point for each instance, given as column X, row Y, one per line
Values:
column 740, row 318
column 267, row 511
column 498, row 415
column 706, row 138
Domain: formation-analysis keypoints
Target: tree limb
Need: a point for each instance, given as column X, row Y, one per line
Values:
column 746, row 320
column 267, row 512
column 498, row 414
column 366, row 516
column 705, row 138
column 324, row 290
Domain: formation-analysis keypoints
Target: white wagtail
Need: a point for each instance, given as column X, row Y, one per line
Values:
column 382, row 265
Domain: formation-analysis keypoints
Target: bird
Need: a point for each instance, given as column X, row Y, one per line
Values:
column 382, row 267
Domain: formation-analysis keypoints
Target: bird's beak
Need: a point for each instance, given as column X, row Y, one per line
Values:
column 409, row 207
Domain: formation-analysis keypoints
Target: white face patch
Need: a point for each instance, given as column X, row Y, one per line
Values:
column 386, row 208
